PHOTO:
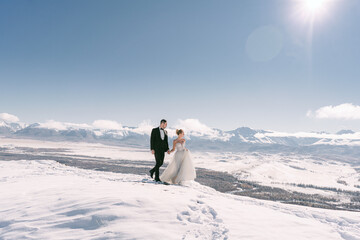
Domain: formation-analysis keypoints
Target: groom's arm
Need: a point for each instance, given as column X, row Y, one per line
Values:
column 152, row 140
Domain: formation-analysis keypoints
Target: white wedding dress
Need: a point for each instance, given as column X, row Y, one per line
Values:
column 180, row 168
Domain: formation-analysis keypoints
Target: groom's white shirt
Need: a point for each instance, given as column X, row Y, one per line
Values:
column 162, row 134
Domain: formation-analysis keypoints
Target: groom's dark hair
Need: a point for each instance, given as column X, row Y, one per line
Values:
column 163, row 121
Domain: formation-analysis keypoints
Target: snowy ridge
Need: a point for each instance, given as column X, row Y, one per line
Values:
column 60, row 202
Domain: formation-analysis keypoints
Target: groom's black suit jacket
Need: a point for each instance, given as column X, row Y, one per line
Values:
column 156, row 143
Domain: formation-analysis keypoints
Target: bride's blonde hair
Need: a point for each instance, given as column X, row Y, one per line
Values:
column 179, row 131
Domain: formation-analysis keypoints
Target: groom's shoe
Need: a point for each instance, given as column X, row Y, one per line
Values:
column 151, row 174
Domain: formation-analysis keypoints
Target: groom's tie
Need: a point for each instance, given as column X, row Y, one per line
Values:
column 162, row 134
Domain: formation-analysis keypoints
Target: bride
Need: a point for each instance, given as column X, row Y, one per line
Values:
column 181, row 167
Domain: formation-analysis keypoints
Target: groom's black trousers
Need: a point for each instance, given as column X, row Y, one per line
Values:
column 159, row 157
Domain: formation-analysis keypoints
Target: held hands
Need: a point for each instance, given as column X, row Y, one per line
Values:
column 153, row 152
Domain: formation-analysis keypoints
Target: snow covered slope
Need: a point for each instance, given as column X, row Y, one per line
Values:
column 290, row 171
column 46, row 200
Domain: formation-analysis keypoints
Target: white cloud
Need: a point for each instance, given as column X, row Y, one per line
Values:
column 144, row 127
column 9, row 117
column 51, row 124
column 107, row 125
column 309, row 114
column 194, row 127
column 347, row 111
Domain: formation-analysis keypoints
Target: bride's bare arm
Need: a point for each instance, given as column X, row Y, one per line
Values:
column 186, row 148
column 173, row 149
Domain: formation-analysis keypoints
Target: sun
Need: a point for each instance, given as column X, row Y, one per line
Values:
column 311, row 10
column 314, row 6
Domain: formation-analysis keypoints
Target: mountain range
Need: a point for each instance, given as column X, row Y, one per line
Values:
column 199, row 136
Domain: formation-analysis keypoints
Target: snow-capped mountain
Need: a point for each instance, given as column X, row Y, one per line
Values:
column 9, row 127
column 200, row 136
column 82, row 133
column 345, row 131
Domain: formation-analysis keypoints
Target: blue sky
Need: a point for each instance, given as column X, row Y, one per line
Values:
column 226, row 63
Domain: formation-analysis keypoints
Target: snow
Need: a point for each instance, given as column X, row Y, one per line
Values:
column 81, row 148
column 274, row 169
column 46, row 200
column 267, row 169
column 349, row 139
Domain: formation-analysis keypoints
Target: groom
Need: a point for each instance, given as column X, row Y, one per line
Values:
column 159, row 145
